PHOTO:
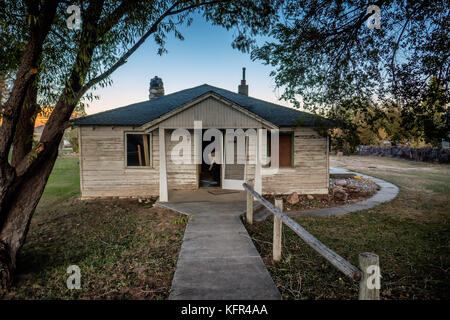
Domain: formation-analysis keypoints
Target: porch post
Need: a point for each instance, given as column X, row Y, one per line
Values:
column 163, row 193
column 258, row 178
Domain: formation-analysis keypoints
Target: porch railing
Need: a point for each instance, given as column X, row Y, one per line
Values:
column 368, row 276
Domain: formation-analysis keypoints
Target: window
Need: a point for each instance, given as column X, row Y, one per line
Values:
column 286, row 154
column 138, row 150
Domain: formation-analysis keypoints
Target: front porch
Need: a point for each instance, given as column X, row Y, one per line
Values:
column 220, row 181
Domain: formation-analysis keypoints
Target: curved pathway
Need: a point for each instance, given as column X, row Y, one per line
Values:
column 387, row 192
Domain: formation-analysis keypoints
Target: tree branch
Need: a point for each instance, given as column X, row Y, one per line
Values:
column 114, row 17
column 52, row 129
column 27, row 71
column 397, row 44
column 197, row 5
column 122, row 60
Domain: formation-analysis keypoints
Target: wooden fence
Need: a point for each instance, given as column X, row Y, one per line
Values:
column 367, row 276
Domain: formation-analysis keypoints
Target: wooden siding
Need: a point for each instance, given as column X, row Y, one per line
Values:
column 309, row 175
column 103, row 165
column 103, row 170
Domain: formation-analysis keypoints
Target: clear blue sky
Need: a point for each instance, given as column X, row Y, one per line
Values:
column 205, row 56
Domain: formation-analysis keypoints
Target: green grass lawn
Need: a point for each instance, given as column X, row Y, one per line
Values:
column 125, row 250
column 63, row 183
column 410, row 234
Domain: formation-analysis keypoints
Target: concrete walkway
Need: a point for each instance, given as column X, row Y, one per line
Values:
column 218, row 259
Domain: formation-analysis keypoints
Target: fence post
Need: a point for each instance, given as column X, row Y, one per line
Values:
column 249, row 216
column 369, row 286
column 277, row 231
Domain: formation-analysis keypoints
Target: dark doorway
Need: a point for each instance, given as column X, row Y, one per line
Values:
column 209, row 173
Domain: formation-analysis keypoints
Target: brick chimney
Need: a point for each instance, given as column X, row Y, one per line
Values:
column 243, row 87
column 156, row 88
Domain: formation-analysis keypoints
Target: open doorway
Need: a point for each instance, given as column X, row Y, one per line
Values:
column 209, row 175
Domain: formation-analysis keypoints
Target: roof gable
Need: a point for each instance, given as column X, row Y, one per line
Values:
column 214, row 111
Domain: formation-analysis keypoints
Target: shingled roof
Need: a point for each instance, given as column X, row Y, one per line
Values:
column 141, row 113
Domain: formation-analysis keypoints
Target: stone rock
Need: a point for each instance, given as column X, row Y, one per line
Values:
column 339, row 194
column 310, row 197
column 293, row 198
column 340, row 182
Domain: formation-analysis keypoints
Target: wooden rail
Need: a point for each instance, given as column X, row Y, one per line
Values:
column 366, row 260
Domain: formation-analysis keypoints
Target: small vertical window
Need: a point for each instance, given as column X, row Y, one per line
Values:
column 138, row 150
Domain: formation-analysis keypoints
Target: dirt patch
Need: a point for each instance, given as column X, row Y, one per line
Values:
column 125, row 248
column 341, row 192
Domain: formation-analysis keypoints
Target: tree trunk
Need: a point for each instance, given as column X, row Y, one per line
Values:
column 21, row 205
column 23, row 137
column 22, row 184
column 6, row 268
column 3, row 90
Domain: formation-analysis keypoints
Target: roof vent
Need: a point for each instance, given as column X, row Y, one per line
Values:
column 156, row 88
column 243, row 87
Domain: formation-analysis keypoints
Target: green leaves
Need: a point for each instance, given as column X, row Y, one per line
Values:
column 324, row 51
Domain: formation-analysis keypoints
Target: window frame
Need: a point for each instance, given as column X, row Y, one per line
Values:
column 150, row 150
